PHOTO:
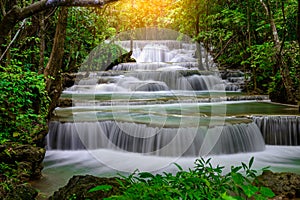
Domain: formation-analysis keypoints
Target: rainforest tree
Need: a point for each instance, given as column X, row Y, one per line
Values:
column 31, row 45
column 258, row 37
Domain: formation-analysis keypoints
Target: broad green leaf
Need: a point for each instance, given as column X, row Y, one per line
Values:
column 100, row 188
column 249, row 190
column 146, row 175
column 266, row 192
column 227, row 197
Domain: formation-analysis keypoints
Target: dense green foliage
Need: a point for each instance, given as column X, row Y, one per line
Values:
column 240, row 36
column 101, row 57
column 86, row 29
column 127, row 15
column 202, row 182
column 23, row 103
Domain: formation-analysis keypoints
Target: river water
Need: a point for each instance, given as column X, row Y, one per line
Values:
column 171, row 106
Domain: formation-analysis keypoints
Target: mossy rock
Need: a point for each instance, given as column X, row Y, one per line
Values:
column 78, row 188
column 21, row 192
column 24, row 158
column 283, row 184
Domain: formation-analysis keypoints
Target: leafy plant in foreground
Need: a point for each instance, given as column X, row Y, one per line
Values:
column 202, row 182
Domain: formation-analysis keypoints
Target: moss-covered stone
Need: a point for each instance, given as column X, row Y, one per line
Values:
column 24, row 158
column 78, row 188
column 21, row 192
column 283, row 184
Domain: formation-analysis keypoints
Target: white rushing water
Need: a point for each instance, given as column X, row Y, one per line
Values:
column 170, row 106
column 60, row 166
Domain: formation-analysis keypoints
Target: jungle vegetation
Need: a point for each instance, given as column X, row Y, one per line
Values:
column 42, row 39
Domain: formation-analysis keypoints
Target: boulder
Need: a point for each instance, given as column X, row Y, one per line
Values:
column 21, row 192
column 124, row 58
column 65, row 102
column 24, row 158
column 78, row 188
column 285, row 185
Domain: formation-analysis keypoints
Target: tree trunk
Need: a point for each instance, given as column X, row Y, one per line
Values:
column 42, row 33
column 52, row 71
column 16, row 14
column 298, row 25
column 280, row 63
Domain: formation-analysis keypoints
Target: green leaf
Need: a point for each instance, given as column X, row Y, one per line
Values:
column 100, row 188
column 251, row 162
column 16, row 134
column 236, row 169
column 237, row 178
column 249, row 190
column 227, row 197
column 178, row 166
column 146, row 175
column 266, row 192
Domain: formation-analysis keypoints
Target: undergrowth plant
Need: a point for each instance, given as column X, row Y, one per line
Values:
column 204, row 181
column 23, row 104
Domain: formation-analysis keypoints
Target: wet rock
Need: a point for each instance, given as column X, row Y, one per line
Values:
column 285, row 185
column 24, row 158
column 124, row 58
column 21, row 192
column 68, row 80
column 65, row 102
column 78, row 188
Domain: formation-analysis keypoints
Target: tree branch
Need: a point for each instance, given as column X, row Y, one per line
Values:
column 284, row 28
column 17, row 14
column 2, row 8
column 225, row 46
column 12, row 41
column 272, row 23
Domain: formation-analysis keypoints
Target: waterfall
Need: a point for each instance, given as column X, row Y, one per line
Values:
column 140, row 138
column 172, row 105
column 279, row 130
column 176, row 81
column 167, row 72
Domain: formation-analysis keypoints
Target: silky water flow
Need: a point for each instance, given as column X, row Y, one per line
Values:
column 171, row 105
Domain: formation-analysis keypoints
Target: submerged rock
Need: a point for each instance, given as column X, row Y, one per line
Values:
column 285, row 185
column 78, row 188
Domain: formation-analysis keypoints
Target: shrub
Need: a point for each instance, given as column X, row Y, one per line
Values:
column 202, row 182
column 23, row 104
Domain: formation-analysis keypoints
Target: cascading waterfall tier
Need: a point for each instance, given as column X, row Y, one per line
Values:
column 169, row 71
column 172, row 105
column 140, row 138
column 279, row 130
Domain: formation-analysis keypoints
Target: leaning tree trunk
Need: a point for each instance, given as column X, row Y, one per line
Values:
column 42, row 34
column 298, row 24
column 52, row 71
column 280, row 63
